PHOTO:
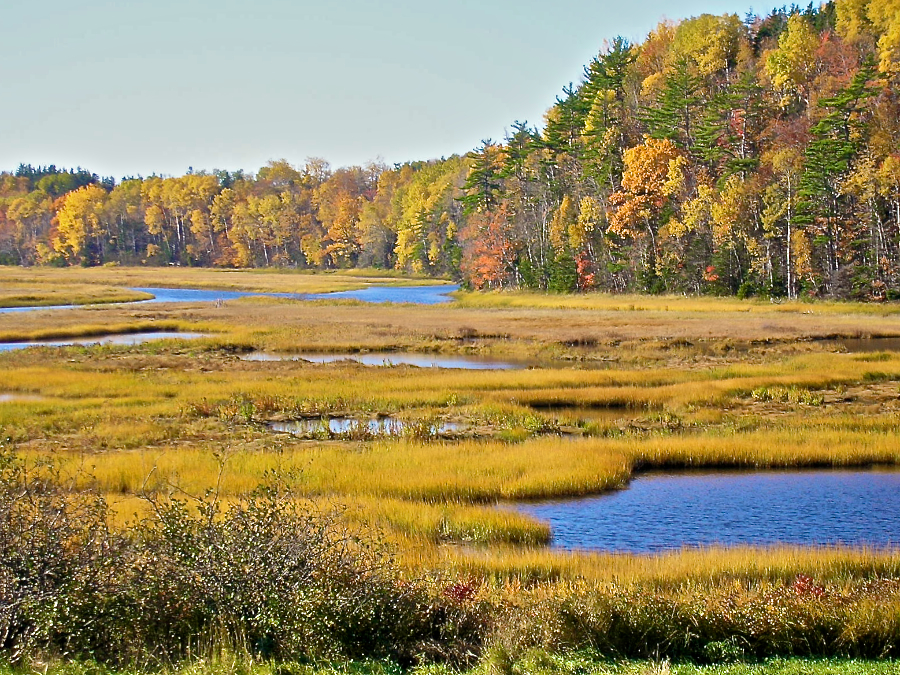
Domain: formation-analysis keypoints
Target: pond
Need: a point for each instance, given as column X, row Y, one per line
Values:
column 394, row 359
column 380, row 426
column 126, row 339
column 660, row 512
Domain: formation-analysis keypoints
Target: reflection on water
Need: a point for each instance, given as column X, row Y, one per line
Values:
column 394, row 359
column 129, row 339
column 381, row 426
column 669, row 511
column 20, row 398
column 199, row 295
column 419, row 295
column 862, row 345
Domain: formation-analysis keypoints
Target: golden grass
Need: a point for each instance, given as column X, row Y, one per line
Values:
column 93, row 330
column 673, row 568
column 30, row 294
column 664, row 303
column 692, row 388
column 594, row 328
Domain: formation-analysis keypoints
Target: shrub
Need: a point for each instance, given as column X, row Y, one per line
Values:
column 58, row 563
column 266, row 576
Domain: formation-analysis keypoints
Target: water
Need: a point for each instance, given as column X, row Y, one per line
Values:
column 16, row 310
column 669, row 511
column 198, row 295
column 862, row 345
column 127, row 339
column 394, row 359
column 20, row 398
column 419, row 295
column 381, row 426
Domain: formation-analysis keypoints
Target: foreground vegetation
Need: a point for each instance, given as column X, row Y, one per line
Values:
column 535, row 662
column 148, row 478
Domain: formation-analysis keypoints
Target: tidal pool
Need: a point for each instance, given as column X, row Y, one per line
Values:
column 381, row 426
column 394, row 359
column 664, row 511
column 124, row 339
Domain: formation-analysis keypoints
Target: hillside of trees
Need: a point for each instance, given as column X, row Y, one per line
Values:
column 754, row 156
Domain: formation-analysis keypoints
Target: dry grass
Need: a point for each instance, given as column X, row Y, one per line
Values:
column 692, row 387
column 30, row 294
column 703, row 566
column 665, row 303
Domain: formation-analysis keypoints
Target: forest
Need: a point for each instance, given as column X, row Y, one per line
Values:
column 721, row 156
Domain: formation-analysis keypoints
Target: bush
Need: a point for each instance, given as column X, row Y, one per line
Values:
column 57, row 562
column 266, row 576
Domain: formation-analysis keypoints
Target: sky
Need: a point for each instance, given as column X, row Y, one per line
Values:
column 137, row 87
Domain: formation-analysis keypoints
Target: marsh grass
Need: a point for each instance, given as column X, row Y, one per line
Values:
column 663, row 303
column 678, row 384
column 93, row 330
column 25, row 294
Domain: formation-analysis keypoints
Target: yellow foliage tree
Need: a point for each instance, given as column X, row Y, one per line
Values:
column 80, row 218
column 791, row 66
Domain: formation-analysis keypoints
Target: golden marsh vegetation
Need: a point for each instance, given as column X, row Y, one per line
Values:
column 612, row 386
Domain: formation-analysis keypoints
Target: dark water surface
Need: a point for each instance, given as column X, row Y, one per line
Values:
column 668, row 511
column 877, row 344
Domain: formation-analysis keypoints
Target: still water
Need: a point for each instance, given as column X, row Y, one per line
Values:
column 382, row 426
column 668, row 511
column 127, row 339
column 394, row 359
column 419, row 295
column 876, row 344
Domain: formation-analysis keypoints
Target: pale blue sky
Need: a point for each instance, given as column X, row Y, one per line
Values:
column 155, row 86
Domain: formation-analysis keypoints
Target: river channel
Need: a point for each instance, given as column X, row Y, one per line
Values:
column 419, row 295
column 665, row 511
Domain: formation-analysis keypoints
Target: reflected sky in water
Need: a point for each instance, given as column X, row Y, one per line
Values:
column 668, row 511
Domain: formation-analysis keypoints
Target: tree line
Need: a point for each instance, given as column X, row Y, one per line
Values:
column 754, row 156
